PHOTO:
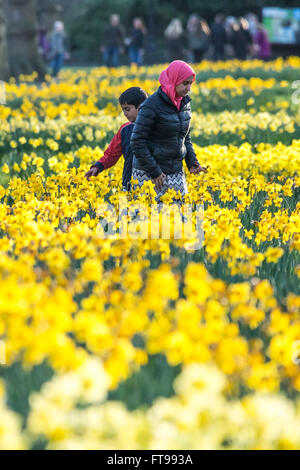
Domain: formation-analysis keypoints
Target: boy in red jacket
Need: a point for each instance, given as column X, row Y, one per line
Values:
column 130, row 100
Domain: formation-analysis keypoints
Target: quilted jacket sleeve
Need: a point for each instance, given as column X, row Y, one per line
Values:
column 190, row 157
column 139, row 138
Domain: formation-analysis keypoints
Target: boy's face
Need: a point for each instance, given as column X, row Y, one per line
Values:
column 130, row 111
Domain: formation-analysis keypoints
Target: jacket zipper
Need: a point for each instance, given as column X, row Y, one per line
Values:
column 180, row 129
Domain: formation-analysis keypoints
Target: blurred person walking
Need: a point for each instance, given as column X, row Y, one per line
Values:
column 261, row 43
column 135, row 41
column 229, row 50
column 241, row 39
column 252, row 22
column 174, row 34
column 58, row 48
column 198, row 36
column 218, row 37
column 247, row 36
column 113, row 42
column 228, row 22
column 43, row 43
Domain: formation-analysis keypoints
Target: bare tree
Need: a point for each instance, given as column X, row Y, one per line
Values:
column 21, row 21
column 3, row 48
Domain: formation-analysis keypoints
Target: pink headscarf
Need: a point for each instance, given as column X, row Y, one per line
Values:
column 175, row 73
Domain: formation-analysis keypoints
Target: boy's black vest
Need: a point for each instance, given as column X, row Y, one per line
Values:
column 128, row 155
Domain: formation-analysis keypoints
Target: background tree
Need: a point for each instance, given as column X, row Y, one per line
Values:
column 3, row 48
column 21, row 24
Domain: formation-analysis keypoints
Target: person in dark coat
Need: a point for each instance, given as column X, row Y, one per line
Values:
column 161, row 136
column 241, row 39
column 113, row 42
column 176, row 39
column 198, row 35
column 136, row 42
column 218, row 37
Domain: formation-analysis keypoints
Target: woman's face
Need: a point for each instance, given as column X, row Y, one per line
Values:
column 184, row 87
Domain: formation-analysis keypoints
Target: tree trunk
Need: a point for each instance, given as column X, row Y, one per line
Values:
column 21, row 21
column 3, row 48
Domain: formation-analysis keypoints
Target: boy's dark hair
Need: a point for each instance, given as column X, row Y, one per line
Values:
column 134, row 95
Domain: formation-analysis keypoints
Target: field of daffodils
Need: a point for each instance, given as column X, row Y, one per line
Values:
column 140, row 343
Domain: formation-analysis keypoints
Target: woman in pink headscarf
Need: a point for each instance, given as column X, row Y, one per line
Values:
column 161, row 135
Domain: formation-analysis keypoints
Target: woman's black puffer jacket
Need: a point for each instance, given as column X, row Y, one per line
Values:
column 160, row 138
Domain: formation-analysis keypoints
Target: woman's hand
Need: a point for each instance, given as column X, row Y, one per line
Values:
column 94, row 171
column 195, row 169
column 159, row 181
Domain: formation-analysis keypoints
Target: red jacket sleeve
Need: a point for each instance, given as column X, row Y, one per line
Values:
column 114, row 150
